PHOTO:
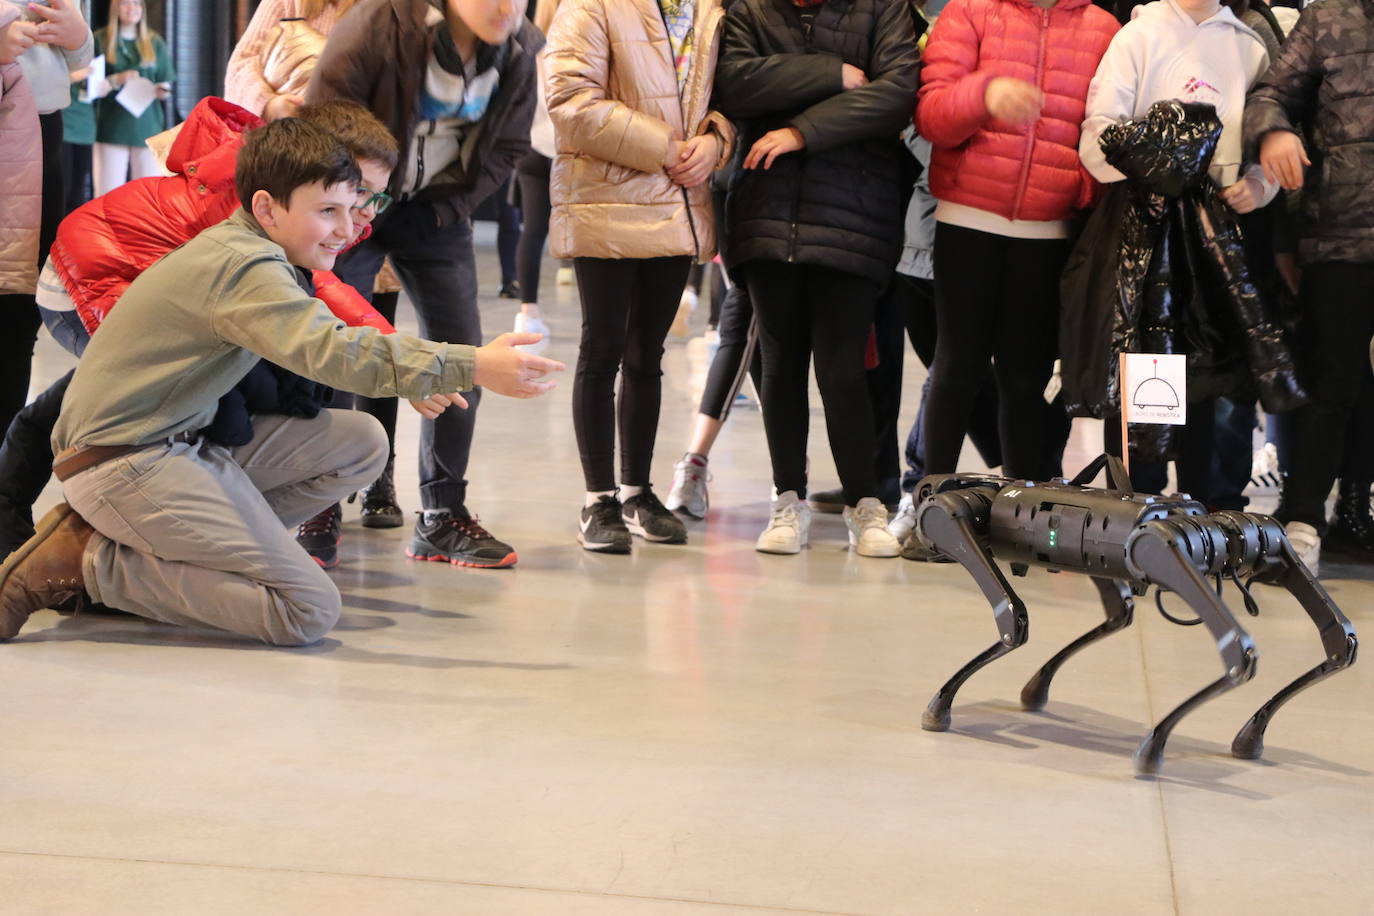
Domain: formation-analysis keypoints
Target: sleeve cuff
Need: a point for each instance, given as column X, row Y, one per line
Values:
column 460, row 365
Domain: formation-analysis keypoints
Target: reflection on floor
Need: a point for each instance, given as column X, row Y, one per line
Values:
column 687, row 730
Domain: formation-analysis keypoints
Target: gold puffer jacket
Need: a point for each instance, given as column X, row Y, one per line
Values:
column 613, row 98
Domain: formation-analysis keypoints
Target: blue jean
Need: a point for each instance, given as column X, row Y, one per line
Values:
column 66, row 328
column 439, row 274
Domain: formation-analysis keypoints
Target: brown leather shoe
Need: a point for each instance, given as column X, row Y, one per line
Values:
column 45, row 571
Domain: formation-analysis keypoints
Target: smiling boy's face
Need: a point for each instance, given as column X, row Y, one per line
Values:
column 314, row 227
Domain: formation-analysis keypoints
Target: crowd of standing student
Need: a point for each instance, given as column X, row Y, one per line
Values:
column 879, row 175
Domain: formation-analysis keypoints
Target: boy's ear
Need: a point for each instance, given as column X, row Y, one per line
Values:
column 264, row 209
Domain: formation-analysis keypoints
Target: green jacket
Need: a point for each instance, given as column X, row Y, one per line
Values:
column 194, row 324
column 113, row 123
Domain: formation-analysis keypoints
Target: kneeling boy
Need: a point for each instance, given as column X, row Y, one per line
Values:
column 167, row 526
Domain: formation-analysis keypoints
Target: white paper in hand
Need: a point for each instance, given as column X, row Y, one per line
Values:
column 1154, row 388
column 96, row 86
column 138, row 93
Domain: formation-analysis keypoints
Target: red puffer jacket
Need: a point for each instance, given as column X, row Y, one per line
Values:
column 105, row 244
column 1022, row 173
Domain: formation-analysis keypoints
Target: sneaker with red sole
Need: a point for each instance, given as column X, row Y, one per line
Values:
column 460, row 539
column 320, row 536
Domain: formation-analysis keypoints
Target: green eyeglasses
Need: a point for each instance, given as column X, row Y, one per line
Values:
column 367, row 197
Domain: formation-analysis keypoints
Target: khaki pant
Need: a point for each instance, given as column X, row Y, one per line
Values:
column 196, row 534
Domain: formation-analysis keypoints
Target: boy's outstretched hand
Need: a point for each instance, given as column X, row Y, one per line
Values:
column 516, row 374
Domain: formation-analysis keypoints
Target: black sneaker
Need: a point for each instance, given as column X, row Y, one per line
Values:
column 831, row 502
column 379, row 503
column 647, row 517
column 320, row 536
column 509, row 290
column 603, row 530
column 827, row 501
column 459, row 538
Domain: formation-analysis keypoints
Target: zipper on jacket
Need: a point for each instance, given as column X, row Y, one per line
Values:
column 1030, row 135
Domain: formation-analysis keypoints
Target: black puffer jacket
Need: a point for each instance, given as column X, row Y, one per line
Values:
column 1323, row 84
column 838, row 203
column 1162, row 268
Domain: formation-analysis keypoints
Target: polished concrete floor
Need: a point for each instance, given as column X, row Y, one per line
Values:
column 689, row 730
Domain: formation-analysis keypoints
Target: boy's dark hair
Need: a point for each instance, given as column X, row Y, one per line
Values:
column 358, row 128
column 288, row 153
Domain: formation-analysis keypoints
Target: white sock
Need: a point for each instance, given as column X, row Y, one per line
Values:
column 628, row 492
column 592, row 498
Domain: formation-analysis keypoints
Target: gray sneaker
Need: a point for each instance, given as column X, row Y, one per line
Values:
column 688, row 494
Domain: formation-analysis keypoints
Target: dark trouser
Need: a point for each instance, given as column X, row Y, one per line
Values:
column 533, row 175
column 1232, row 453
column 913, row 301
column 26, row 462
column 507, row 232
column 736, row 355
column 996, row 298
column 1333, row 351
column 627, row 307
column 76, row 172
column 802, row 309
column 440, row 276
column 1196, row 444
column 384, row 409
column 20, row 311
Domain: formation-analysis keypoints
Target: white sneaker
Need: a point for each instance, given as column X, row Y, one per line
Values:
column 1306, row 544
column 685, row 307
column 688, row 494
column 565, row 276
column 1264, row 469
column 904, row 522
column 528, row 324
column 789, row 524
column 868, row 534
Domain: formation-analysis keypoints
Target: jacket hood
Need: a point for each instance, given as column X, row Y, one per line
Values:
column 1169, row 13
column 203, row 149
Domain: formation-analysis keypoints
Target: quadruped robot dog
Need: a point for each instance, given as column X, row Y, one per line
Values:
column 1126, row 542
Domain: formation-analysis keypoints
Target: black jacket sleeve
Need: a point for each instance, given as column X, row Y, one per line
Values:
column 884, row 106
column 752, row 84
column 1286, row 95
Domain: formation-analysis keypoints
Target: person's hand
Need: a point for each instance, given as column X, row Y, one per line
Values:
column 773, row 144
column 164, row 91
column 1284, row 157
column 80, row 76
column 516, row 374
column 698, row 160
column 15, row 39
column 62, row 24
column 435, row 404
column 1244, row 196
column 282, row 106
column 674, row 155
column 852, row 76
column 1013, row 101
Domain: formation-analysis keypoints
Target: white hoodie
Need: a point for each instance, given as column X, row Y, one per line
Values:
column 1163, row 54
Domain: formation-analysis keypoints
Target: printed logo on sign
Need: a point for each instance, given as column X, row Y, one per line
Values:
column 1156, row 386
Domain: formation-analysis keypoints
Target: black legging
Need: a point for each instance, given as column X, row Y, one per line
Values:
column 627, row 307
column 996, row 298
column 533, row 176
column 737, row 354
column 20, row 310
column 804, row 309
